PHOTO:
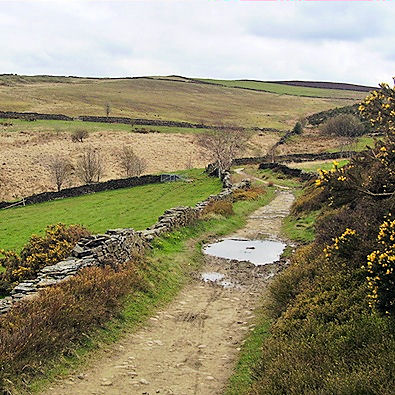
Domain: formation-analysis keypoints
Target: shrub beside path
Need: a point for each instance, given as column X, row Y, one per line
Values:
column 191, row 346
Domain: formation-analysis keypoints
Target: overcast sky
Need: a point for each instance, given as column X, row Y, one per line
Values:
column 347, row 41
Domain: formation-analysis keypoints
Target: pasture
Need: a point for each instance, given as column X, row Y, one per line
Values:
column 137, row 207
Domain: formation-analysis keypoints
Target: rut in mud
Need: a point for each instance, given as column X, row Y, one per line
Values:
column 191, row 346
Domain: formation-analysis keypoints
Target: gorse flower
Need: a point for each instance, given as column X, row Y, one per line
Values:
column 381, row 269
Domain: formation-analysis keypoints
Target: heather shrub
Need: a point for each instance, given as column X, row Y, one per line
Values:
column 312, row 199
column 40, row 251
column 284, row 288
column 221, row 207
column 252, row 193
column 61, row 316
column 79, row 135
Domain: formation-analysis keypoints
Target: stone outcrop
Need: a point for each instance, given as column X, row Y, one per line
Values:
column 114, row 247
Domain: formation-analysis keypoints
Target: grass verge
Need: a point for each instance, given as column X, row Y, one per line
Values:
column 167, row 270
column 319, row 165
column 250, row 354
column 300, row 228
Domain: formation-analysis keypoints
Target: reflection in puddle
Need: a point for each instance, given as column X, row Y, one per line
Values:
column 217, row 278
column 212, row 276
column 258, row 252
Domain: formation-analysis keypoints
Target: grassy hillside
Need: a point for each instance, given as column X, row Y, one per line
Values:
column 137, row 207
column 283, row 89
column 161, row 98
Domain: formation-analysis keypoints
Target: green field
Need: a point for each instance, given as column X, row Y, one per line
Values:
column 137, row 207
column 161, row 99
column 20, row 125
column 278, row 178
column 359, row 145
column 319, row 165
column 282, row 89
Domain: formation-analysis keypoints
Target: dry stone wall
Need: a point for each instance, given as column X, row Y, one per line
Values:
column 85, row 189
column 114, row 247
column 288, row 171
column 307, row 157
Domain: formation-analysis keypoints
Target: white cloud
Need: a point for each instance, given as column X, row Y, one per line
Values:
column 352, row 42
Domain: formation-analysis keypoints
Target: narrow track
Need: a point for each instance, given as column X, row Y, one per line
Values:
column 189, row 348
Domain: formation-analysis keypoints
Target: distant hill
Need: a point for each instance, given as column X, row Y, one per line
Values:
column 326, row 85
column 172, row 98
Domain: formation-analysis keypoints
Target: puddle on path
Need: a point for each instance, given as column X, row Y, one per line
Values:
column 212, row 276
column 258, row 252
column 218, row 278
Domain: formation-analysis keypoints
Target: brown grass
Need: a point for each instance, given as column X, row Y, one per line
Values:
column 59, row 316
column 221, row 207
column 162, row 99
column 249, row 194
column 23, row 155
column 312, row 140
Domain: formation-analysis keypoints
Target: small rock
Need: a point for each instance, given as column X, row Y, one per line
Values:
column 210, row 378
column 144, row 381
column 106, row 383
column 202, row 346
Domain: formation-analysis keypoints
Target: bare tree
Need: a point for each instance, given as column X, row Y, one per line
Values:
column 107, row 107
column 223, row 145
column 59, row 170
column 79, row 135
column 189, row 164
column 131, row 164
column 90, row 166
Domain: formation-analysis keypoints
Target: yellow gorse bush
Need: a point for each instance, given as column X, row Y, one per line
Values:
column 381, row 269
column 341, row 244
column 39, row 252
column 379, row 108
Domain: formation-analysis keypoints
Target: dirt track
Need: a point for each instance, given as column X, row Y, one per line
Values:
column 191, row 346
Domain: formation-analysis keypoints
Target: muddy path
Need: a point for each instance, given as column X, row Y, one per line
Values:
column 192, row 345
